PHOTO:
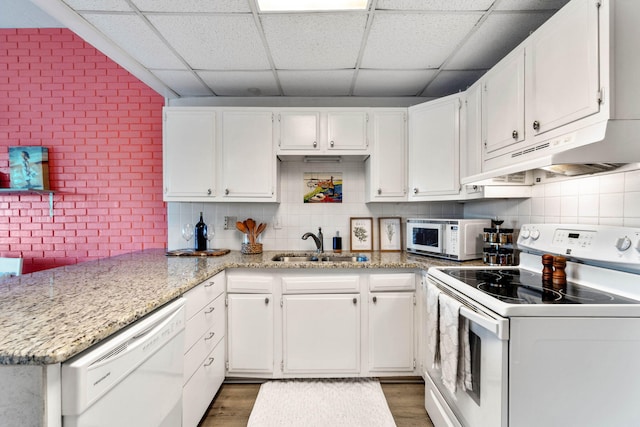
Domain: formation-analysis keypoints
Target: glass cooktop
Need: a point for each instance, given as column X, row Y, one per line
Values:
column 516, row 286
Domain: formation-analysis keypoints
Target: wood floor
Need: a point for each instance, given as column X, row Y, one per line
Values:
column 233, row 403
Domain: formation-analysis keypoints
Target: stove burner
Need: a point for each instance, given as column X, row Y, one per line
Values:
column 525, row 294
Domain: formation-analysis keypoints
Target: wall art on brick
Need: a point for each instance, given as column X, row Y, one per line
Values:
column 29, row 168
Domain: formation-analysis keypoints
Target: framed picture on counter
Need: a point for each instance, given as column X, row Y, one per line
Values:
column 390, row 234
column 361, row 235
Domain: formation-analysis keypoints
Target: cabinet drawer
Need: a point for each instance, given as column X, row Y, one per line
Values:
column 203, row 294
column 392, row 282
column 320, row 284
column 250, row 283
column 201, row 388
column 199, row 351
column 212, row 314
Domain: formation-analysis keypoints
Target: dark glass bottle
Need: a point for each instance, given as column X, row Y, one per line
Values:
column 201, row 235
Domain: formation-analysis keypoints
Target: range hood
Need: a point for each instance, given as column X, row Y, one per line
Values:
column 600, row 147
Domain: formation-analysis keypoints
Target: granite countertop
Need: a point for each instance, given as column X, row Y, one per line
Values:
column 49, row 316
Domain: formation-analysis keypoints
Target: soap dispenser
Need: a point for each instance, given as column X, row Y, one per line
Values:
column 337, row 242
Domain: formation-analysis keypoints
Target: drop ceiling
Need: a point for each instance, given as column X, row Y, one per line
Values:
column 228, row 48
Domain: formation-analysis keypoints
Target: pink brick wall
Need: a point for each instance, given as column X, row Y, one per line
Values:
column 103, row 128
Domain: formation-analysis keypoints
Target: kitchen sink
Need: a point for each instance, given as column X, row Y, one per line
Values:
column 315, row 258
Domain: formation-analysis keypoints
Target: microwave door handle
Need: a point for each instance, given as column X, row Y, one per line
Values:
column 498, row 327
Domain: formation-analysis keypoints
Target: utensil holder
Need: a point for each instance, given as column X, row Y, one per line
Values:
column 251, row 248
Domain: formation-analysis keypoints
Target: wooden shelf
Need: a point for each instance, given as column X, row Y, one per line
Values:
column 22, row 191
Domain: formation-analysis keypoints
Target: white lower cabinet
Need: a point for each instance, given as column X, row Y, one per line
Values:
column 250, row 316
column 204, row 357
column 392, row 338
column 321, row 334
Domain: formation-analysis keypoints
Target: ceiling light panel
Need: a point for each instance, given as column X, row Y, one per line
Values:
column 135, row 37
column 315, row 40
column 100, row 5
column 316, row 83
column 480, row 5
column 184, row 83
column 214, row 42
column 497, row 36
column 415, row 40
column 192, row 6
column 241, row 83
column 392, row 82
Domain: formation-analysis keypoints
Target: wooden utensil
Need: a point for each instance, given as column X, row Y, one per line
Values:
column 260, row 229
column 242, row 227
column 251, row 227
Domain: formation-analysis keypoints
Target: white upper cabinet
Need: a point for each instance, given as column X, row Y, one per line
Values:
column 329, row 131
column 434, row 145
column 347, row 130
column 189, row 161
column 471, row 132
column 503, row 104
column 564, row 84
column 386, row 168
column 299, row 130
column 248, row 166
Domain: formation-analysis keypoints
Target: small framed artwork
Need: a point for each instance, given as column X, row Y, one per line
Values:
column 361, row 235
column 390, row 234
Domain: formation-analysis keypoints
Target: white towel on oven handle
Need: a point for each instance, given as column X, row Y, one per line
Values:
column 432, row 323
column 456, row 351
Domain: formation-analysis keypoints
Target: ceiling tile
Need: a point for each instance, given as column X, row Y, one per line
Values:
column 448, row 82
column 496, row 37
column 316, row 83
column 192, row 6
column 434, row 4
column 530, row 4
column 214, row 42
column 148, row 49
column 111, row 6
column 241, row 83
column 415, row 40
column 314, row 41
column 184, row 83
column 392, row 82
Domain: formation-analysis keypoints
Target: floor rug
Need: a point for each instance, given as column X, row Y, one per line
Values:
column 326, row 403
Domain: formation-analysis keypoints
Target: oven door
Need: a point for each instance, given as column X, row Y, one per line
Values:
column 425, row 238
column 486, row 403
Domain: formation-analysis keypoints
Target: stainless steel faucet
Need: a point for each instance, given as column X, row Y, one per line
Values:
column 317, row 239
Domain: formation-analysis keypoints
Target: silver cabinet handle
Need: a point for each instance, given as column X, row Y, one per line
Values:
column 315, row 144
column 208, row 337
column 375, row 299
column 379, row 191
column 226, row 191
column 208, row 192
column 514, row 134
column 331, row 144
column 209, row 362
column 415, row 190
column 210, row 310
column 536, row 125
column 266, row 300
column 355, row 300
column 208, row 284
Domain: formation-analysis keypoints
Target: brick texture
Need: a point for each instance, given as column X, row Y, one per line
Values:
column 103, row 129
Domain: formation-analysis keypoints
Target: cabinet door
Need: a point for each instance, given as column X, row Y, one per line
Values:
column 434, row 144
column 391, row 331
column 564, row 68
column 503, row 104
column 189, row 154
column 347, row 130
column 387, row 172
column 250, row 333
column 471, row 134
column 299, row 130
column 248, row 160
column 321, row 334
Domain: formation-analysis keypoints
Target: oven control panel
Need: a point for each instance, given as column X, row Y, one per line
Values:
column 589, row 243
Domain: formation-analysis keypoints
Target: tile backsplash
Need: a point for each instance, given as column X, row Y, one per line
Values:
column 611, row 199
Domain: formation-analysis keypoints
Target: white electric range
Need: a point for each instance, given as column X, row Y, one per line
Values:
column 545, row 355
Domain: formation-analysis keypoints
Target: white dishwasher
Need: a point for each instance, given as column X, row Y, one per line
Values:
column 131, row 379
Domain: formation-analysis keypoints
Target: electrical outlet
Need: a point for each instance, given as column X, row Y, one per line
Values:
column 230, row 222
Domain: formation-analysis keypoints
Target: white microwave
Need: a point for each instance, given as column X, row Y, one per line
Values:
column 457, row 239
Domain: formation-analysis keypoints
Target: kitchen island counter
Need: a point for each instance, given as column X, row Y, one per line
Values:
column 49, row 316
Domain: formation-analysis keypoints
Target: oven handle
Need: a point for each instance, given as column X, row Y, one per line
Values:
column 498, row 327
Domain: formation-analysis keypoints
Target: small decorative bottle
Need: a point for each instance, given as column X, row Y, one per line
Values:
column 337, row 242
column 201, row 235
column 321, row 238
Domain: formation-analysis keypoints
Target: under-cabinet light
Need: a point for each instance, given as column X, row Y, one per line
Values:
column 322, row 159
column 310, row 5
